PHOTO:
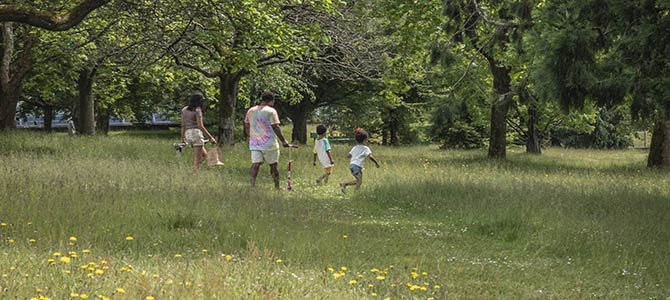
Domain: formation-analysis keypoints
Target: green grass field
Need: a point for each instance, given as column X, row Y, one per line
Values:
column 119, row 217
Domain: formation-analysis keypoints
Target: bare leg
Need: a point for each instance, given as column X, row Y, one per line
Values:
column 197, row 157
column 357, row 182
column 275, row 174
column 253, row 172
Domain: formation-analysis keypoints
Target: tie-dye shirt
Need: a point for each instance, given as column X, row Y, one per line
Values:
column 260, row 119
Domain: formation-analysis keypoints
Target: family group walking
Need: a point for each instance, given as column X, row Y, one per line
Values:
column 261, row 125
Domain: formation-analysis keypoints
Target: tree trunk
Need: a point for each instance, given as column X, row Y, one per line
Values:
column 499, row 109
column 533, row 138
column 659, row 150
column 48, row 117
column 11, row 78
column 299, row 133
column 230, row 85
column 102, row 120
column 393, row 128
column 86, row 107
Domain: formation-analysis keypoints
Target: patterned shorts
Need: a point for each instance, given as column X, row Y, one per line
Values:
column 194, row 137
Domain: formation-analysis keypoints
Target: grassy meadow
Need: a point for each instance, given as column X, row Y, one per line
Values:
column 120, row 217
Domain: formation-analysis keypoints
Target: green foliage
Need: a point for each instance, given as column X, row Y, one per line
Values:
column 609, row 131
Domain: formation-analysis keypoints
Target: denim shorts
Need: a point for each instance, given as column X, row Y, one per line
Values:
column 355, row 169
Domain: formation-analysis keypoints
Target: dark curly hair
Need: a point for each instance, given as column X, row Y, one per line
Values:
column 361, row 135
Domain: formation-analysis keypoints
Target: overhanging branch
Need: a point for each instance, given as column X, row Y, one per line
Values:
column 32, row 16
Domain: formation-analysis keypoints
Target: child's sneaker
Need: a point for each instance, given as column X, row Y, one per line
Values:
column 343, row 188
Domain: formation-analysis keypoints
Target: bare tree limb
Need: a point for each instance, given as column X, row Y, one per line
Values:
column 196, row 68
column 494, row 22
column 32, row 16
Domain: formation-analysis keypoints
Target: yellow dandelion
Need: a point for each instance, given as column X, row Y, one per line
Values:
column 26, row 275
column 423, row 288
column 74, row 295
column 149, row 298
column 424, row 273
column 51, row 260
column 150, row 255
column 105, row 267
column 68, row 272
column 83, row 296
column 374, row 270
column 353, row 281
column 415, row 275
column 12, row 268
column 11, row 241
column 104, row 298
column 38, row 290
column 343, row 268
column 391, row 267
column 56, row 254
column 337, row 275
column 120, row 290
column 409, row 284
column 104, row 262
column 89, row 274
column 381, row 277
column 188, row 283
column 170, row 281
column 123, row 269
column 370, row 285
column 387, row 298
column 156, row 276
column 425, row 283
column 86, row 251
column 345, row 236
column 177, row 255
column 33, row 298
column 72, row 238
column 65, row 259
column 228, row 257
column 331, row 270
column 360, row 276
column 99, row 272
column 3, row 224
column 32, row 240
column 204, row 251
column 429, row 298
column 393, row 285
column 5, row 275
column 29, row 223
column 436, row 287
column 279, row 261
column 129, row 238
column 374, row 294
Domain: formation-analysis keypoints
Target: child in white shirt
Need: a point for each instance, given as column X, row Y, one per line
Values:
column 322, row 151
column 358, row 154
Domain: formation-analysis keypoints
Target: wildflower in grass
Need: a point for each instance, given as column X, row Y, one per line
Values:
column 73, row 239
column 51, row 261
column 12, row 268
column 56, row 254
column 409, row 284
column 425, row 283
column 353, row 281
column 380, row 277
column 29, row 223
column 65, row 259
column 360, row 276
column 123, row 269
column 149, row 298
column 104, row 298
column 38, row 290
column 345, row 236
column 228, row 257
column 337, row 275
column 120, row 290
column 105, row 267
column 429, row 298
column 393, row 285
column 170, row 281
column 279, row 261
column 26, row 275
column 156, row 276
column 391, row 267
column 68, row 272
column 370, row 285
column 11, row 241
column 177, row 255
column 415, row 275
column 89, row 275
column 424, row 273
column 5, row 275
column 74, row 295
column 86, row 251
column 436, row 286
column 374, row 270
column 343, row 268
column 387, row 298
column 331, row 270
column 423, row 288
column 129, row 238
column 150, row 255
column 83, row 296
column 188, row 283
column 3, row 224
column 204, row 251
column 99, row 272
column 374, row 294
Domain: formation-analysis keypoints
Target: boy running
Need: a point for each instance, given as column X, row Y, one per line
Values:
column 322, row 151
column 358, row 154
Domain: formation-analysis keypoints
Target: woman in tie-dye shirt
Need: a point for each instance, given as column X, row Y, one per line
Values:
column 262, row 126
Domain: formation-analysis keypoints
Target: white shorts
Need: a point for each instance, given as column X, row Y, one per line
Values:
column 269, row 156
column 194, row 137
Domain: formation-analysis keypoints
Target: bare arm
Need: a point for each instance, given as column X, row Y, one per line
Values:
column 183, row 131
column 330, row 157
column 198, row 119
column 372, row 158
column 349, row 155
column 277, row 131
column 247, row 129
column 314, row 162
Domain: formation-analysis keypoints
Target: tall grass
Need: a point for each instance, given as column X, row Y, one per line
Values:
column 569, row 224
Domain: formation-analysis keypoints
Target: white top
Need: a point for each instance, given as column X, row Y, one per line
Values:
column 321, row 148
column 358, row 154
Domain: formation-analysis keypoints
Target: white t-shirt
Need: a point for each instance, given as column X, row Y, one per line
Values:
column 358, row 154
column 320, row 149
